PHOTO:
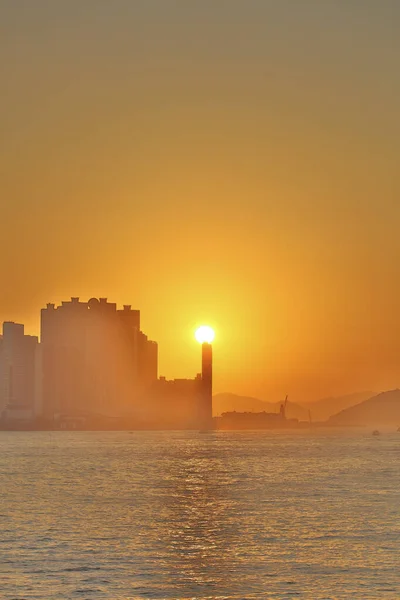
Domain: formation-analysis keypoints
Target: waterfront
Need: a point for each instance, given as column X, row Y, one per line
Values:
column 155, row 515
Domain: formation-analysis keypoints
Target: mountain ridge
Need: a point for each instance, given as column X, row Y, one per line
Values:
column 381, row 409
column 321, row 410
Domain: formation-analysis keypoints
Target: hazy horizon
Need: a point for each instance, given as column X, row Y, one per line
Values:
column 233, row 163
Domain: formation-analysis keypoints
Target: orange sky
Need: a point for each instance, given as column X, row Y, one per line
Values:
column 234, row 163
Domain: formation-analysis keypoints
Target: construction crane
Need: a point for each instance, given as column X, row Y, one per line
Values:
column 283, row 408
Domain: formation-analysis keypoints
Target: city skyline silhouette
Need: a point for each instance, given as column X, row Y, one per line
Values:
column 232, row 164
column 94, row 368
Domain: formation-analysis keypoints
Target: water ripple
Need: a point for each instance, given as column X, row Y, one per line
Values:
column 184, row 516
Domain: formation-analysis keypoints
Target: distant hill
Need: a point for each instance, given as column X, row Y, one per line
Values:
column 383, row 409
column 232, row 402
column 322, row 409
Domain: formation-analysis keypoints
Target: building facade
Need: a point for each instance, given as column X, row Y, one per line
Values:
column 17, row 372
column 94, row 358
column 175, row 403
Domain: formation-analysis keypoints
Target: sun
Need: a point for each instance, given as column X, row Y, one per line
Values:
column 205, row 334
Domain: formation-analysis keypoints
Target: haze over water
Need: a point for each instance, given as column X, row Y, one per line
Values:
column 157, row 515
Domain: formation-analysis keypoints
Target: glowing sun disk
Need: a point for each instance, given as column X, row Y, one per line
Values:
column 205, row 334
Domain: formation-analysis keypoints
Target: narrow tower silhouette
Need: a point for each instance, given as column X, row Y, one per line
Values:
column 206, row 386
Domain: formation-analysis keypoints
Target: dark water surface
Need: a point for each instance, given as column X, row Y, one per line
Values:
column 121, row 516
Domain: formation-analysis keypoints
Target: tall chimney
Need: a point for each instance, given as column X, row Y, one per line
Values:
column 206, row 386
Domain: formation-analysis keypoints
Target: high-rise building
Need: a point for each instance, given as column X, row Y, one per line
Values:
column 94, row 358
column 147, row 359
column 17, row 369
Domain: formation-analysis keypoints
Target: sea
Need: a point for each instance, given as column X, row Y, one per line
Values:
column 311, row 514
